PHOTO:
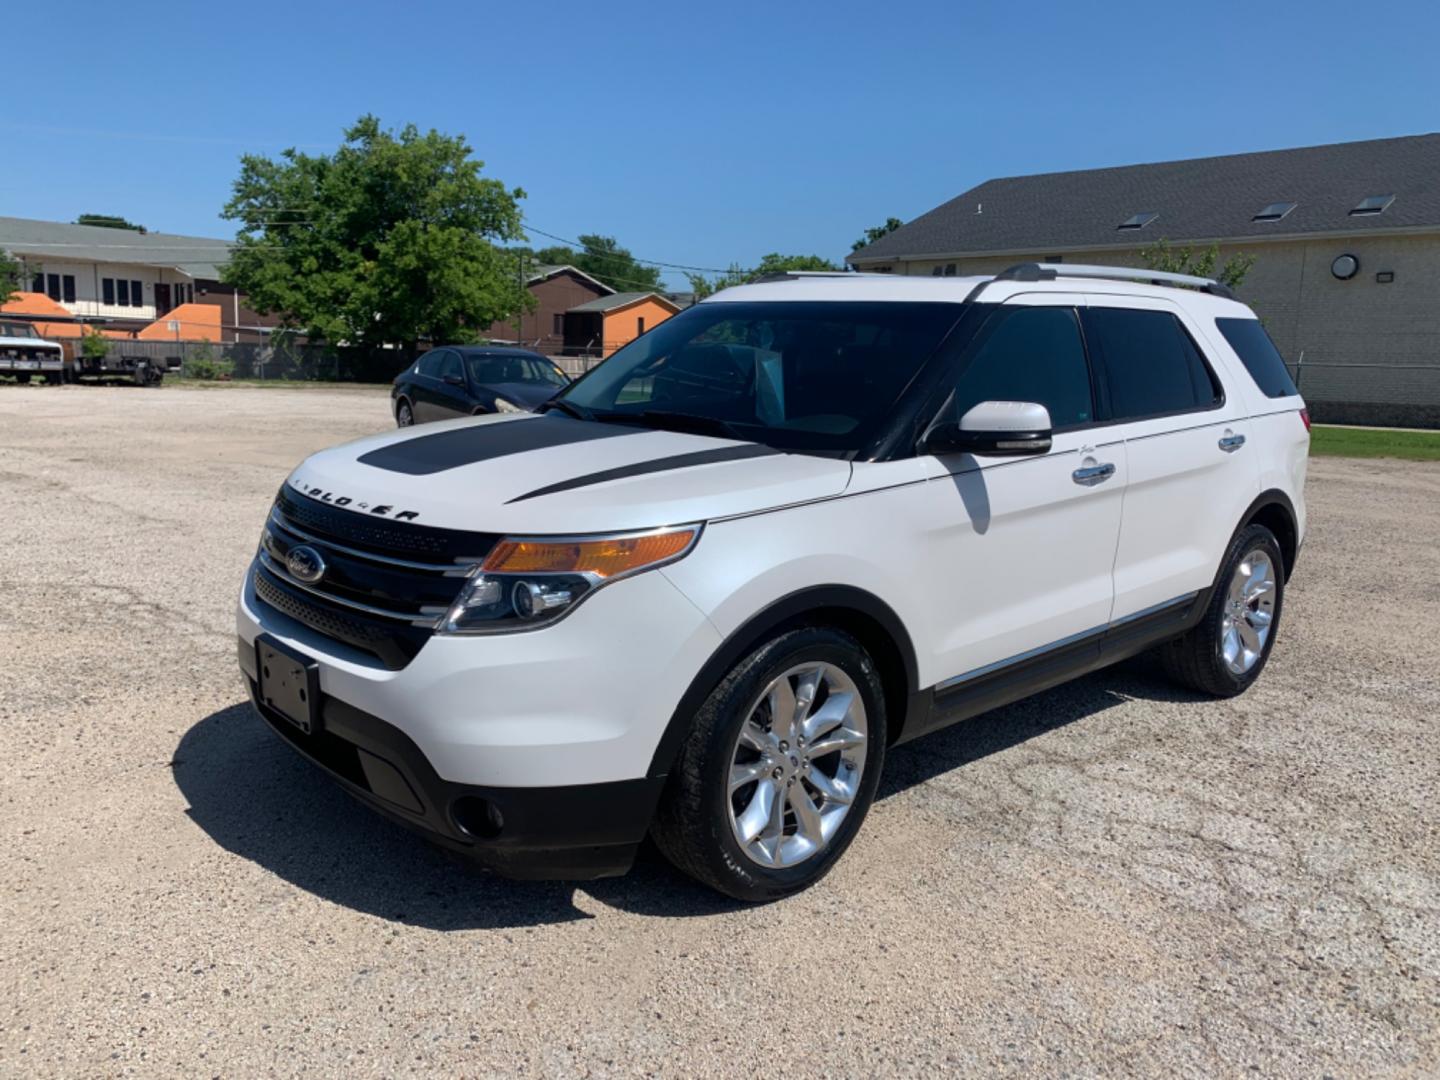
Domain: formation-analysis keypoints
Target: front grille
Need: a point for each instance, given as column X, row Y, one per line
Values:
column 385, row 584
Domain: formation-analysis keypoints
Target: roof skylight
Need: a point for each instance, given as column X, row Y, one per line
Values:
column 1140, row 220
column 1274, row 212
column 1375, row 204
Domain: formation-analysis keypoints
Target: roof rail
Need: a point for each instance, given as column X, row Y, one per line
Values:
column 791, row 275
column 1051, row 271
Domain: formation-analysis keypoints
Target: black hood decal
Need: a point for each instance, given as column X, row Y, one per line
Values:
column 428, row 454
column 665, row 464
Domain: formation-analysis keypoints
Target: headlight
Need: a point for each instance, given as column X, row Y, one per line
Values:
column 501, row 405
column 527, row 583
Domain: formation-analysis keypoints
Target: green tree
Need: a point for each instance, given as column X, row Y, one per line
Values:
column 774, row 263
column 871, row 235
column 11, row 274
column 605, row 260
column 109, row 221
column 389, row 240
column 1161, row 256
column 94, row 345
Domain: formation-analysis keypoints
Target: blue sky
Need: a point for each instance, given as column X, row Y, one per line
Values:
column 696, row 134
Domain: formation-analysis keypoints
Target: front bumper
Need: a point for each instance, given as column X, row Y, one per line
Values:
column 574, row 832
column 529, row 752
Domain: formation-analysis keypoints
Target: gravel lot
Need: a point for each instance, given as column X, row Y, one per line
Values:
column 1112, row 878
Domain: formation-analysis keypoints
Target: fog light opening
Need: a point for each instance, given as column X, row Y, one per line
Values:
column 477, row 817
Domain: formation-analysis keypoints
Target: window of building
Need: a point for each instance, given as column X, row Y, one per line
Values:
column 122, row 296
column 1375, row 204
column 1054, row 259
column 1031, row 354
column 1274, row 212
column 949, row 269
column 1140, row 220
column 137, row 295
column 557, row 326
column 67, row 288
column 1259, row 355
column 639, row 325
column 37, row 283
column 1151, row 366
column 107, row 291
column 52, row 286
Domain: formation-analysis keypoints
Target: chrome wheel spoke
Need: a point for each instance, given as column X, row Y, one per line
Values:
column 757, row 816
column 782, row 707
column 839, row 739
column 740, row 775
column 807, row 815
column 831, row 787
column 828, row 717
column 753, row 736
column 1248, row 637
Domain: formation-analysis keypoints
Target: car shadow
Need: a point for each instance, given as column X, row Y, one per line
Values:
column 257, row 798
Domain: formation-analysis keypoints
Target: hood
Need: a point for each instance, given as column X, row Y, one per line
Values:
column 523, row 473
column 528, row 394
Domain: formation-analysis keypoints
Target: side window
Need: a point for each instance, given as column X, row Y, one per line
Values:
column 1152, row 367
column 1033, row 354
column 450, row 365
column 1259, row 355
column 429, row 364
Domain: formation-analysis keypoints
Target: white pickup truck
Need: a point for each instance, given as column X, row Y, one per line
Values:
column 23, row 353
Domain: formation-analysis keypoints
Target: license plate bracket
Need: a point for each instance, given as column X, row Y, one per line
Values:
column 289, row 683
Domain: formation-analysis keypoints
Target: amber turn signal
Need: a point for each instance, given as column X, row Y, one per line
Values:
column 604, row 557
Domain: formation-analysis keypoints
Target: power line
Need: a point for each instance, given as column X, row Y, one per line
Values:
column 616, row 255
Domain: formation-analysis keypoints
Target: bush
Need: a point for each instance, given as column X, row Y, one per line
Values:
column 203, row 364
column 94, row 345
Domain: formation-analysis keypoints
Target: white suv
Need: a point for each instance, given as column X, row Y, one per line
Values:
column 703, row 592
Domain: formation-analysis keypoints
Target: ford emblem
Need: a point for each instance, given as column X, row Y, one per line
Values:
column 305, row 564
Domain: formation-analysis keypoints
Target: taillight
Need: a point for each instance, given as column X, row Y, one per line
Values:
column 1305, row 418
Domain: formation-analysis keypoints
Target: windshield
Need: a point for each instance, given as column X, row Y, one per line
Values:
column 514, row 369
column 802, row 375
column 16, row 329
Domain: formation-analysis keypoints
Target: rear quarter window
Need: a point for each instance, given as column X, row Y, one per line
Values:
column 1259, row 355
column 1151, row 365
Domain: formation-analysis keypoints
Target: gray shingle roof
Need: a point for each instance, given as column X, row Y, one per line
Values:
column 1199, row 199
column 618, row 300
column 95, row 243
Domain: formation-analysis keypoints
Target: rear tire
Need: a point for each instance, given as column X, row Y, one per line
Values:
column 404, row 414
column 1224, row 653
column 818, row 674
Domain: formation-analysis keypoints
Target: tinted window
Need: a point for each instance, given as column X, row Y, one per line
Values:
column 450, row 365
column 796, row 375
column 1030, row 354
column 429, row 364
column 513, row 369
column 1151, row 366
column 1259, row 355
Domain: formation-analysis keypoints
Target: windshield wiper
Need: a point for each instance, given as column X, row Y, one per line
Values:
column 676, row 421
column 579, row 412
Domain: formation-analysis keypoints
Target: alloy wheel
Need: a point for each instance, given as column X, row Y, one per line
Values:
column 797, row 763
column 403, row 416
column 1249, row 612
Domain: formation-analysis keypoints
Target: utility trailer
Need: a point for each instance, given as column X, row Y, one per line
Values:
column 24, row 353
column 128, row 360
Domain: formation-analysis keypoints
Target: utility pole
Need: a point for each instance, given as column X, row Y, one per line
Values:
column 520, row 298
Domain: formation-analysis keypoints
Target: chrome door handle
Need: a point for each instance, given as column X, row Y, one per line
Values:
column 1231, row 443
column 1091, row 475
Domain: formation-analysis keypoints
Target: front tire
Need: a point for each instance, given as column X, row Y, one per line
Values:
column 779, row 769
column 404, row 414
column 1225, row 652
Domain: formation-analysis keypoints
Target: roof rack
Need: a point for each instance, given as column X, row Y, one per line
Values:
column 792, row 275
column 1051, row 271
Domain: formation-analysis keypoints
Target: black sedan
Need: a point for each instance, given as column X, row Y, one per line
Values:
column 468, row 380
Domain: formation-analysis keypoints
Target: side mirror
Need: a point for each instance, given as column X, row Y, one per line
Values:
column 454, row 380
column 992, row 429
